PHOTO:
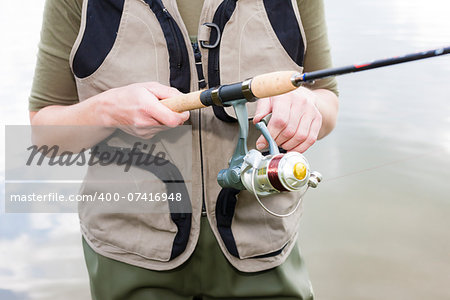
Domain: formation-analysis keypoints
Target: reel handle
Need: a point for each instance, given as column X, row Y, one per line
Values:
column 262, row 126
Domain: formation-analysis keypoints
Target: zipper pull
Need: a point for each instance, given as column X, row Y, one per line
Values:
column 166, row 12
column 195, row 46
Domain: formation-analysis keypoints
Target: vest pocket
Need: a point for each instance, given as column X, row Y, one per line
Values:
column 248, row 231
column 138, row 223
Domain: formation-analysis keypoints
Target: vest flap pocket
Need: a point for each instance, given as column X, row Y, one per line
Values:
column 133, row 233
column 140, row 222
column 248, row 231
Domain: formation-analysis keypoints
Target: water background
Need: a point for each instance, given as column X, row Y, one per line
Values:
column 379, row 225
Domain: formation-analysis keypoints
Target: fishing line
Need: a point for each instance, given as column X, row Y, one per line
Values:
column 382, row 165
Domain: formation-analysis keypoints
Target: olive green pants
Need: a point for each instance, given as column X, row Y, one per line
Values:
column 206, row 275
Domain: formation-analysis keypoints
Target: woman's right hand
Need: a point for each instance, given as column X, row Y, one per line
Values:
column 136, row 109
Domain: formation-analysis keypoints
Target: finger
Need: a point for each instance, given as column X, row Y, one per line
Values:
column 300, row 135
column 185, row 116
column 132, row 130
column 151, row 132
column 169, row 117
column 295, row 115
column 312, row 136
column 280, row 116
column 161, row 91
column 143, row 132
column 277, row 122
column 164, row 115
column 146, row 122
column 263, row 108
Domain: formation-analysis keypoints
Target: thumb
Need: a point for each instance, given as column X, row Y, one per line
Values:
column 263, row 108
column 160, row 91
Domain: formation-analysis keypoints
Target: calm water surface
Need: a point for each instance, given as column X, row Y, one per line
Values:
column 378, row 227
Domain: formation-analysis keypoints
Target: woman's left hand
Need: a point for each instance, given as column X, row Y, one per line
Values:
column 295, row 121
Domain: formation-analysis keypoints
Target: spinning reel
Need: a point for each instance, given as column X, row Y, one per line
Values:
column 265, row 175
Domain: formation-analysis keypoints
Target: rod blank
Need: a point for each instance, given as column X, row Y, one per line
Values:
column 311, row 76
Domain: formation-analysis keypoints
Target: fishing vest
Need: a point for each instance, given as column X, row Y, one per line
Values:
column 121, row 42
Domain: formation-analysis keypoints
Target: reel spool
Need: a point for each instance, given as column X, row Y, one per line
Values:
column 271, row 174
column 266, row 175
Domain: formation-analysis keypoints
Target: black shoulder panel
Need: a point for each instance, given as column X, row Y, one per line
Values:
column 221, row 18
column 102, row 24
column 284, row 23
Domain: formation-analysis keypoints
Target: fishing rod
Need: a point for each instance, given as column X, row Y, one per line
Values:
column 277, row 83
column 260, row 174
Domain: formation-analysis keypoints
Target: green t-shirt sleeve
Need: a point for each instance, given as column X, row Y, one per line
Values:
column 53, row 82
column 318, row 52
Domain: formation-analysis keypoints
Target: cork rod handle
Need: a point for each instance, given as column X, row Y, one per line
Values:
column 273, row 84
column 184, row 102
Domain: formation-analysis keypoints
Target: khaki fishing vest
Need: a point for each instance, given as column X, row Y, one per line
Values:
column 127, row 41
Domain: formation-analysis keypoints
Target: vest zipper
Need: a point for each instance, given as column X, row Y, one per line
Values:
column 204, row 214
column 180, row 73
column 201, row 85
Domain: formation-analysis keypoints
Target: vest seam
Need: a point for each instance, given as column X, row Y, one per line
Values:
column 154, row 43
